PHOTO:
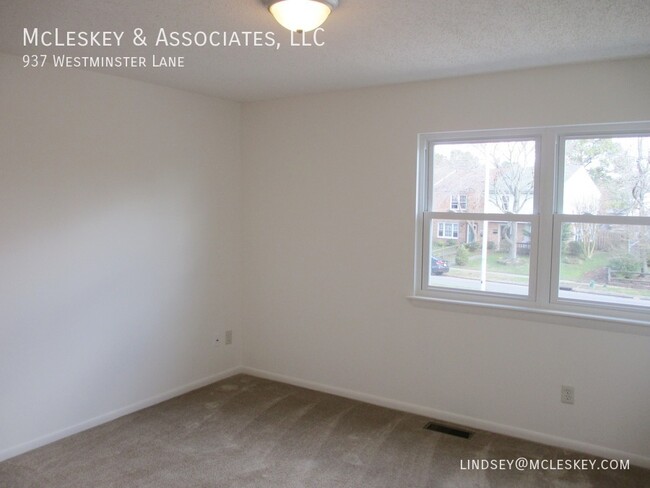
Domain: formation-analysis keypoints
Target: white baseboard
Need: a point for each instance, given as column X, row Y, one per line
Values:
column 120, row 412
column 472, row 422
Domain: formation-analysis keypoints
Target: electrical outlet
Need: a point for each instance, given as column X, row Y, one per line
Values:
column 216, row 342
column 228, row 337
column 568, row 395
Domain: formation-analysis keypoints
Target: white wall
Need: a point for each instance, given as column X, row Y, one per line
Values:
column 120, row 246
column 329, row 236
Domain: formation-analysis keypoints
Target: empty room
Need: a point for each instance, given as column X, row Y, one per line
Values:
column 324, row 243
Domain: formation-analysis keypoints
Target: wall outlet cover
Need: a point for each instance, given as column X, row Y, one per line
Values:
column 567, row 395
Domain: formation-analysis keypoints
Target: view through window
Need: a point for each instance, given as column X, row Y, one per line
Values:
column 604, row 252
column 555, row 218
column 482, row 245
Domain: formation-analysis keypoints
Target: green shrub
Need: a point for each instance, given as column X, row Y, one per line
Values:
column 626, row 264
column 462, row 256
column 473, row 246
column 573, row 248
column 567, row 234
column 571, row 260
column 491, row 246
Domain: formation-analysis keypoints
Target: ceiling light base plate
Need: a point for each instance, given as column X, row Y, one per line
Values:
column 301, row 15
column 331, row 3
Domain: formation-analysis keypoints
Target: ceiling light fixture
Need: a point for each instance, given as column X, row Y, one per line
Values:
column 301, row 15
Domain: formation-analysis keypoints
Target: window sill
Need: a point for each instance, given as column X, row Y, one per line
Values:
column 559, row 317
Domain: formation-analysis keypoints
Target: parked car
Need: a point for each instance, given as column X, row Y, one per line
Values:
column 438, row 266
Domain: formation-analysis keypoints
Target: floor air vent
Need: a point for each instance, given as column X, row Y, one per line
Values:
column 445, row 429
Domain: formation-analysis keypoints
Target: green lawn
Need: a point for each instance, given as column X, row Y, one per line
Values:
column 585, row 274
column 495, row 265
column 579, row 271
column 496, row 271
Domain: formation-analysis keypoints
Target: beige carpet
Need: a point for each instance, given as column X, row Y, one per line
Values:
column 249, row 432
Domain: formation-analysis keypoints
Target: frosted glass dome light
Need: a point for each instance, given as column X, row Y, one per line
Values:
column 301, row 15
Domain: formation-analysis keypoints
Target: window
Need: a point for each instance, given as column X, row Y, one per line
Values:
column 505, row 202
column 555, row 219
column 458, row 202
column 603, row 221
column 498, row 176
column 448, row 230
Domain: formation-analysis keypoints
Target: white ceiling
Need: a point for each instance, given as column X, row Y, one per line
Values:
column 368, row 42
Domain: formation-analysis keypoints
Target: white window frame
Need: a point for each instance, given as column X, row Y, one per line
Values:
column 505, row 202
column 455, row 229
column 460, row 205
column 546, row 224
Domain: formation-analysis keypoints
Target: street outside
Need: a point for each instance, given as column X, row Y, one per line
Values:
column 446, row 281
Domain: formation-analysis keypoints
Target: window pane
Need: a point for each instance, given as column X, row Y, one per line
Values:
column 457, row 261
column 461, row 171
column 462, row 202
column 608, row 176
column 605, row 263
